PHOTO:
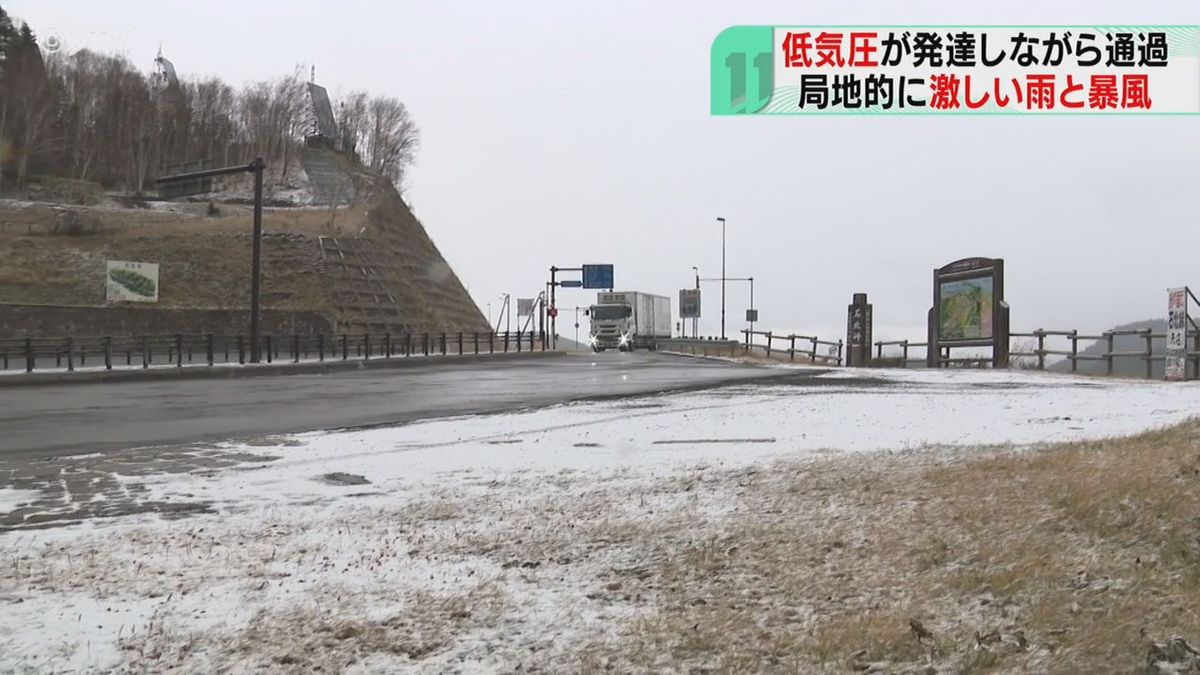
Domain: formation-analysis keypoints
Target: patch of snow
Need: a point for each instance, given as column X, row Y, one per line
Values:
column 12, row 499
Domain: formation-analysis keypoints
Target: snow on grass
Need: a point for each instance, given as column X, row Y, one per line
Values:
column 12, row 499
column 492, row 541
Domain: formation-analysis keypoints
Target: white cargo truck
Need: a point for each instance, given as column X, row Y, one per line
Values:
column 629, row 320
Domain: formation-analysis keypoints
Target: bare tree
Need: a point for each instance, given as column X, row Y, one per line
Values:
column 96, row 117
column 352, row 121
column 393, row 139
column 36, row 107
column 380, row 133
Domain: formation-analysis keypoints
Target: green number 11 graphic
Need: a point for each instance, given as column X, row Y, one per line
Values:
column 742, row 70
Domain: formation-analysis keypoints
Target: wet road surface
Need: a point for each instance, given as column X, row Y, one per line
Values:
column 60, row 419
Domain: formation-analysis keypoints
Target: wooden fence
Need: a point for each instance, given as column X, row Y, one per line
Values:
column 1110, row 356
column 771, row 345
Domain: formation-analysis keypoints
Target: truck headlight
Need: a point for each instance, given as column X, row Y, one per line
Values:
column 624, row 340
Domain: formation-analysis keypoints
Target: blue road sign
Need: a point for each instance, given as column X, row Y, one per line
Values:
column 598, row 276
column 571, row 284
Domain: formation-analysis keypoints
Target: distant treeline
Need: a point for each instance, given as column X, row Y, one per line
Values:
column 96, row 117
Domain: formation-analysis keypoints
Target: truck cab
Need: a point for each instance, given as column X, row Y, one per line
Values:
column 612, row 326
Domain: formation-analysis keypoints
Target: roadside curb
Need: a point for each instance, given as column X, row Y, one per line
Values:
column 261, row 370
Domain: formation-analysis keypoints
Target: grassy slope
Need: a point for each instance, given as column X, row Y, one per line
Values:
column 1071, row 558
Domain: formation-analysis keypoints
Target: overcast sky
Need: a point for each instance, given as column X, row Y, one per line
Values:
column 567, row 132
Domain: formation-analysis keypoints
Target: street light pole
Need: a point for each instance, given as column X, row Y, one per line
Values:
column 722, row 221
column 696, row 321
column 751, row 301
column 257, row 167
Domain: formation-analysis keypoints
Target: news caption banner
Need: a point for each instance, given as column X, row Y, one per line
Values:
column 812, row 70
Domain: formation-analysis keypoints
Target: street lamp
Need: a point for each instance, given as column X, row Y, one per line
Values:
column 752, row 302
column 696, row 321
column 722, row 221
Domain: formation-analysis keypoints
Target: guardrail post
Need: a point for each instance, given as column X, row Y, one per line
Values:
column 768, row 344
column 107, row 353
column 491, row 343
column 476, row 335
column 178, row 350
column 904, row 353
column 241, row 350
column 813, row 356
column 443, row 343
column 295, row 348
column 460, row 343
column 1074, row 338
column 1108, row 355
column 70, row 355
column 321, row 347
column 345, row 346
column 792, row 348
column 366, row 346
column 29, row 355
column 839, row 352
column 208, row 347
column 145, row 352
column 518, row 340
column 505, row 342
column 879, row 350
column 1149, row 353
column 270, row 350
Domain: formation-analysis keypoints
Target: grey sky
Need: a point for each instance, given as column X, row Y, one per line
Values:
column 563, row 133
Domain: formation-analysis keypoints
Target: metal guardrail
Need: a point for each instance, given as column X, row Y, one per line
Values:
column 811, row 350
column 208, row 349
column 698, row 347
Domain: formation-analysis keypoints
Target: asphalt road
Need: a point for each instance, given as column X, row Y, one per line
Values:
column 58, row 419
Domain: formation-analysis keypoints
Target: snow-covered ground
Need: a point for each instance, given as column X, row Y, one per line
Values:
column 428, row 546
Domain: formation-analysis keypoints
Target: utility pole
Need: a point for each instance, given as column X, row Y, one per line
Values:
column 722, row 221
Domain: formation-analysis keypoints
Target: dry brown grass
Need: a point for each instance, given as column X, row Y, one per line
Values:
column 1072, row 558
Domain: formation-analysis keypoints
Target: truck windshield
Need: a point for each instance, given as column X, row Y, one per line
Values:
column 610, row 312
